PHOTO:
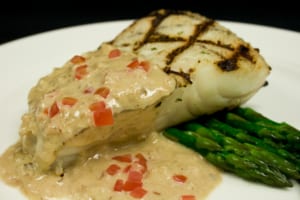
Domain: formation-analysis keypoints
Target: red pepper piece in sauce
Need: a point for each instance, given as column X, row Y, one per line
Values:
column 68, row 101
column 127, row 168
column 141, row 159
column 81, row 71
column 142, row 162
column 53, row 110
column 114, row 53
column 103, row 91
column 135, row 176
column 88, row 90
column 134, row 64
column 118, row 187
column 134, row 180
column 77, row 59
column 179, row 178
column 102, row 116
column 129, row 186
column 145, row 65
column 138, row 192
column 123, row 158
column 188, row 197
column 100, row 105
column 113, row 169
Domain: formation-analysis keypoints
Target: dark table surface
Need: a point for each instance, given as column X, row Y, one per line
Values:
column 22, row 18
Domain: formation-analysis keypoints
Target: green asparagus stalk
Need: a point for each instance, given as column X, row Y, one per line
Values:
column 242, row 136
column 232, row 157
column 275, row 161
column 246, row 149
column 192, row 140
column 248, row 169
column 246, row 143
column 288, row 131
column 252, row 128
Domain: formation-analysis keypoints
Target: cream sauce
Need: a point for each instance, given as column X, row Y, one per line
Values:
column 88, row 179
column 127, row 85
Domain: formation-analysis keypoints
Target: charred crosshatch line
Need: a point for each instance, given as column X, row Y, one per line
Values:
column 185, row 76
column 164, row 38
column 199, row 29
column 231, row 63
column 218, row 44
column 159, row 16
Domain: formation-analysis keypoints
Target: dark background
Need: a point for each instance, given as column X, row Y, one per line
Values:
column 23, row 18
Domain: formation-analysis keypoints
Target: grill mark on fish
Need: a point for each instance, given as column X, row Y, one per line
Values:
column 151, row 36
column 199, row 29
column 218, row 44
column 159, row 16
column 230, row 64
column 185, row 76
column 244, row 51
column 163, row 38
column 212, row 51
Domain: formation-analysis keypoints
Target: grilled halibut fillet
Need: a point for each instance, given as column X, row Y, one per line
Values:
column 165, row 68
column 213, row 67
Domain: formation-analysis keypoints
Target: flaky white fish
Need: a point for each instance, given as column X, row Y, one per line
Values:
column 164, row 69
column 214, row 68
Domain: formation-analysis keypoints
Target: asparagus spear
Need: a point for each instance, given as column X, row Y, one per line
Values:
column 246, row 149
column 288, row 131
column 246, row 143
column 238, row 162
column 252, row 128
column 248, row 169
column 242, row 136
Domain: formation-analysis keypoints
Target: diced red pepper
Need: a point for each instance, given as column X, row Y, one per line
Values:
column 77, row 59
column 81, row 71
column 141, row 159
column 118, row 187
column 113, row 169
column 134, row 64
column 100, row 105
column 127, row 168
column 114, row 53
column 129, row 186
column 142, row 163
column 188, row 197
column 102, row 116
column 138, row 192
column 179, row 178
column 145, row 65
column 53, row 110
column 134, row 180
column 102, row 91
column 68, row 101
column 135, row 176
column 88, row 90
column 123, row 158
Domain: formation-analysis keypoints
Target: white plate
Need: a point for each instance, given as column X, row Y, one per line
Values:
column 24, row 61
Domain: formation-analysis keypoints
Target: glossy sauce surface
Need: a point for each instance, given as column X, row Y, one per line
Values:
column 98, row 97
column 170, row 171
